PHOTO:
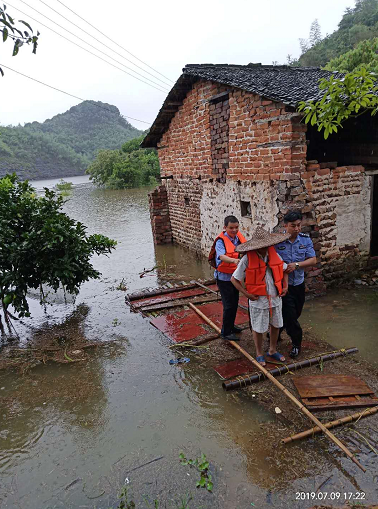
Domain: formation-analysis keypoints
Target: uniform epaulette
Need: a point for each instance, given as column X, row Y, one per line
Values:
column 304, row 235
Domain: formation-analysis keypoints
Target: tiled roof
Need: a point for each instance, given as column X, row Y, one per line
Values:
column 279, row 83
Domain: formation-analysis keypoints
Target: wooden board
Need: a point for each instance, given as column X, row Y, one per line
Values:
column 324, row 392
column 330, row 385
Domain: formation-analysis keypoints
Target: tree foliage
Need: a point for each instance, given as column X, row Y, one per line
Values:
column 131, row 166
column 364, row 55
column 19, row 36
column 67, row 141
column 41, row 245
column 357, row 24
column 87, row 128
column 343, row 98
column 21, row 148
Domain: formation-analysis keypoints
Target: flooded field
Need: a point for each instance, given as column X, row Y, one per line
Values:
column 73, row 435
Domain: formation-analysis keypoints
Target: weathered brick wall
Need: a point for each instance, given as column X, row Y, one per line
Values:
column 265, row 143
column 159, row 214
column 184, row 206
column 219, row 114
column 267, row 168
column 341, row 218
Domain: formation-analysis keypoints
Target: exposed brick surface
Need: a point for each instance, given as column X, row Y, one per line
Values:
column 159, row 214
column 220, row 153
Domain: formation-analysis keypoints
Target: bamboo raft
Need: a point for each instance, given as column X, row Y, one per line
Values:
column 174, row 303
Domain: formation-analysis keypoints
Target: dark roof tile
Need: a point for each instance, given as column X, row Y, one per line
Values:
column 280, row 83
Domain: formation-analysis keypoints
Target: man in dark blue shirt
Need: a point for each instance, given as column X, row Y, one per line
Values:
column 298, row 252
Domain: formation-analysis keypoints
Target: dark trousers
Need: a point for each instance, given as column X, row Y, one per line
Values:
column 230, row 300
column 292, row 305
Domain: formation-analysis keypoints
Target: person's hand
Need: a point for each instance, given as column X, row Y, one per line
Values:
column 284, row 291
column 290, row 268
column 236, row 261
column 251, row 296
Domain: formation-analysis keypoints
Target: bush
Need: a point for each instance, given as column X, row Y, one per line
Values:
column 41, row 245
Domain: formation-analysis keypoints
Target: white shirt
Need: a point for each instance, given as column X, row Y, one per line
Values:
column 262, row 302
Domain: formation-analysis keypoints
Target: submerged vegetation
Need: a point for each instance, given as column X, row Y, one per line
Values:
column 131, row 166
column 201, row 464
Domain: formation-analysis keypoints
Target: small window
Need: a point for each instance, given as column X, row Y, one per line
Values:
column 187, row 200
column 245, row 207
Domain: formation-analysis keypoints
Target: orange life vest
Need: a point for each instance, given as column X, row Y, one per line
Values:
column 226, row 267
column 255, row 273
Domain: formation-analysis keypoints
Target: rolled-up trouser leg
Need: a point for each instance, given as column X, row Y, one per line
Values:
column 230, row 300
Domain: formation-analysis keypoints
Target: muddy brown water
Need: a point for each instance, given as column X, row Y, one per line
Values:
column 73, row 435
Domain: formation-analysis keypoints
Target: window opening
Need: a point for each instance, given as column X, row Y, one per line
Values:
column 245, row 207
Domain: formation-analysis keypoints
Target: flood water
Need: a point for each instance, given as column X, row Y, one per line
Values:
column 73, row 435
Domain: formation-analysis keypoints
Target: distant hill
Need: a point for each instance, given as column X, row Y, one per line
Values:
column 358, row 24
column 64, row 145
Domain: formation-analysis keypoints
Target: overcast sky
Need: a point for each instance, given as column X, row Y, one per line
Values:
column 166, row 35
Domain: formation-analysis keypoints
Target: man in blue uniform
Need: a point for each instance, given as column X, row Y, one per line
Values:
column 298, row 252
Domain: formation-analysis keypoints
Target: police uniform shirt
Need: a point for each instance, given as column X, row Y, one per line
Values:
column 297, row 251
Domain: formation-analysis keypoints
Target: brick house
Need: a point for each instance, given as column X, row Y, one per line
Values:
column 230, row 141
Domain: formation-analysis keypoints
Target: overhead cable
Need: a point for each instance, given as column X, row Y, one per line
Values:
column 114, row 42
column 98, row 40
column 71, row 95
column 90, row 52
column 89, row 44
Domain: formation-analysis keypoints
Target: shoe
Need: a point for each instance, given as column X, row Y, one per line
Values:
column 276, row 356
column 230, row 337
column 261, row 360
column 236, row 329
column 295, row 351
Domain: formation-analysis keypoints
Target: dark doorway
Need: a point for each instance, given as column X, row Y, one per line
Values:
column 374, row 219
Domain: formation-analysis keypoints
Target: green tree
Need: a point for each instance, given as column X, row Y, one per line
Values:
column 357, row 24
column 41, row 245
column 18, row 36
column 350, row 96
column 315, row 33
column 365, row 54
column 131, row 166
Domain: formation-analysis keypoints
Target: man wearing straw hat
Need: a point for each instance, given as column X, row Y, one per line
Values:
column 262, row 268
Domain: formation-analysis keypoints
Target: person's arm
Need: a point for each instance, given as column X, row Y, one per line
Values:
column 302, row 265
column 241, row 289
column 228, row 259
column 221, row 253
column 285, row 284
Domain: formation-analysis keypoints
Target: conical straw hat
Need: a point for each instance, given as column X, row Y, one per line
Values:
column 261, row 238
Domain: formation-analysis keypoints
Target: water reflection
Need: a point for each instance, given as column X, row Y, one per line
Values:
column 95, row 422
column 50, row 395
column 346, row 319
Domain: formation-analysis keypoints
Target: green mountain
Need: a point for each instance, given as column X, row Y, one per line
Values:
column 357, row 24
column 64, row 145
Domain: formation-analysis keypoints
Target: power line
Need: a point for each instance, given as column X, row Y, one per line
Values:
column 71, row 95
column 81, row 47
column 89, row 44
column 116, row 43
column 98, row 40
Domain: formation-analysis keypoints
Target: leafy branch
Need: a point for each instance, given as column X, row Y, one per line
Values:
column 19, row 36
column 41, row 245
column 343, row 98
